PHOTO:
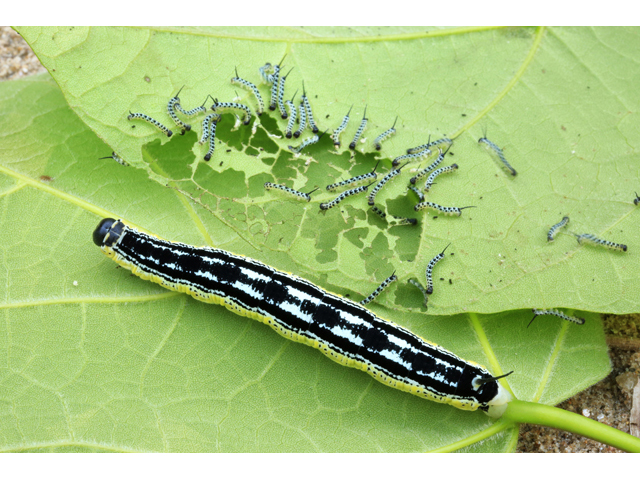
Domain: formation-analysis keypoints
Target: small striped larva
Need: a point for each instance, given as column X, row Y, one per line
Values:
column 416, row 283
column 556, row 313
column 398, row 221
column 363, row 125
column 185, row 127
column 152, row 121
column 429, row 270
column 264, row 73
column 307, row 107
column 493, row 148
column 306, row 143
column 212, row 136
column 117, row 158
column 283, row 79
column 418, row 193
column 385, row 135
column 343, row 195
column 436, row 173
column 293, row 115
column 553, row 230
column 232, row 106
column 394, row 221
column 428, row 169
column 354, row 180
column 430, row 144
column 410, row 157
column 335, row 136
column 440, row 208
column 290, row 191
column 303, row 121
column 193, row 111
column 380, row 288
column 250, row 86
column 593, row 240
column 275, row 78
column 206, row 125
column 382, row 183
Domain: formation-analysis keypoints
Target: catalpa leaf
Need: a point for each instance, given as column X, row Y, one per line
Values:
column 550, row 98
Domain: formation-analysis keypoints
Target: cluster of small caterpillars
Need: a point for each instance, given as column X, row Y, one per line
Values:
column 303, row 116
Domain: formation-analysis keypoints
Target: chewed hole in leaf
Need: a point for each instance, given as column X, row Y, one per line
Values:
column 231, row 173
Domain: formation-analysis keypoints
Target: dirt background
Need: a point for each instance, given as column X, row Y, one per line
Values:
column 609, row 401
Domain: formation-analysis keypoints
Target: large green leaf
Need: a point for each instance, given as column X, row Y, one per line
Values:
column 117, row 363
column 558, row 101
